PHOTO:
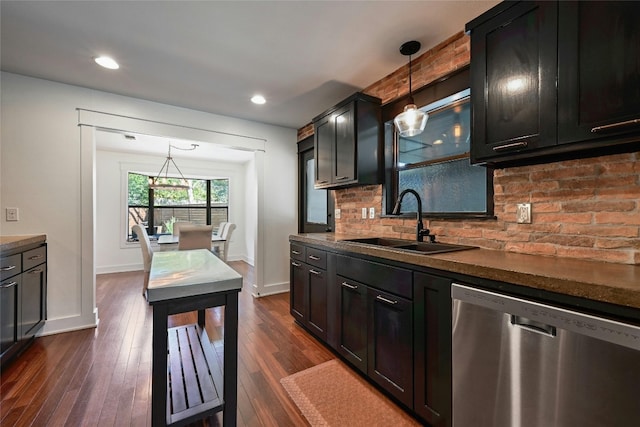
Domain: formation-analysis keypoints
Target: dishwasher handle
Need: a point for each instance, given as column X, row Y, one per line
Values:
column 533, row 326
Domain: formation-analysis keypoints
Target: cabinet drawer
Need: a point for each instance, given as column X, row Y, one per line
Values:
column 34, row 257
column 297, row 252
column 384, row 277
column 10, row 266
column 316, row 258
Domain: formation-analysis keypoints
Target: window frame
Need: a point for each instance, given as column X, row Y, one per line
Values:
column 431, row 93
column 151, row 206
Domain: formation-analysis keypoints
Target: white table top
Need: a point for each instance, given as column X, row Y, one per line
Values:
column 170, row 239
column 178, row 274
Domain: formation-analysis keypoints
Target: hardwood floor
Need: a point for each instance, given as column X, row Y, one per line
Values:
column 102, row 376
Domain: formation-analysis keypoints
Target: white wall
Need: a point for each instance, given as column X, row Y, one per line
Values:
column 41, row 168
column 113, row 253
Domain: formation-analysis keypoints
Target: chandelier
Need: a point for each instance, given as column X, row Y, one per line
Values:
column 163, row 181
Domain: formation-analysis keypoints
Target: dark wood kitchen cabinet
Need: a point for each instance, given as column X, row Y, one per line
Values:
column 598, row 71
column 513, row 90
column 375, row 325
column 23, row 297
column 309, row 288
column 554, row 81
column 432, row 348
column 348, row 144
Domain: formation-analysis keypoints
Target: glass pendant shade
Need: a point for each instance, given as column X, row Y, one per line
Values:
column 411, row 121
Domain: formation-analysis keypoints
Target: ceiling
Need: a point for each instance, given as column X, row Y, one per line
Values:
column 212, row 56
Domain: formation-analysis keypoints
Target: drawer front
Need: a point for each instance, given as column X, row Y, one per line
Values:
column 317, row 258
column 396, row 280
column 297, row 252
column 10, row 266
column 34, row 257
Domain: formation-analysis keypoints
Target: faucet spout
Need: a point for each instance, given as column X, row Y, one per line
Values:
column 420, row 231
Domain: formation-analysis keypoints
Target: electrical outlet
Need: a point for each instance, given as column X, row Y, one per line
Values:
column 523, row 213
column 337, row 214
column 364, row 213
column 12, row 214
column 372, row 213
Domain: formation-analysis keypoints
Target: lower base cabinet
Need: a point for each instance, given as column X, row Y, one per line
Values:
column 23, row 298
column 392, row 324
column 432, row 349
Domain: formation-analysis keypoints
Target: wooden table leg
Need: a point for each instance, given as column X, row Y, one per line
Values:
column 159, row 366
column 229, row 416
column 201, row 317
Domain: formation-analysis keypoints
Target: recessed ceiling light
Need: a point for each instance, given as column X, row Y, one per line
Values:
column 258, row 99
column 107, row 62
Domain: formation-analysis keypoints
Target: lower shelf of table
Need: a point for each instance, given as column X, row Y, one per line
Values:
column 194, row 376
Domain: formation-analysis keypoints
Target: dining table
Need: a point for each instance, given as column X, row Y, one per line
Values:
column 169, row 242
column 189, row 382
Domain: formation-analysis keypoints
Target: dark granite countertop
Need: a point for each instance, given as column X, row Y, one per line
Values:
column 10, row 243
column 600, row 281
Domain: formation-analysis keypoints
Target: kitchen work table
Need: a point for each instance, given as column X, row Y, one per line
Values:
column 188, row 382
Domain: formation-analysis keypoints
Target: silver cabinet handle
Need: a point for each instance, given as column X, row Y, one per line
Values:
column 295, row 264
column 322, row 182
column 519, row 144
column 31, row 258
column 341, row 178
column 347, row 285
column 388, row 301
column 8, row 285
column 11, row 267
column 313, row 257
column 312, row 271
column 295, row 252
column 615, row 126
column 36, row 271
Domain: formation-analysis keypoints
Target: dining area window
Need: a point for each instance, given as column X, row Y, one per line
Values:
column 204, row 202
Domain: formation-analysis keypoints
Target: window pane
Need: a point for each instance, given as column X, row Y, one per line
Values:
column 316, row 199
column 220, row 191
column 138, row 189
column 446, row 187
column 447, row 134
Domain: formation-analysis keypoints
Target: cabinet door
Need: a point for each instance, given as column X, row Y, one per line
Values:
column 432, row 357
column 390, row 341
column 599, row 70
column 298, row 290
column 345, row 145
column 352, row 323
column 513, row 75
column 317, row 309
column 324, row 141
column 32, row 313
column 9, row 312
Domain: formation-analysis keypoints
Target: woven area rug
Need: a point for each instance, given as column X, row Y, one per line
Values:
column 330, row 394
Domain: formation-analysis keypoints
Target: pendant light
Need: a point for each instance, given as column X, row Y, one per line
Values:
column 161, row 181
column 411, row 121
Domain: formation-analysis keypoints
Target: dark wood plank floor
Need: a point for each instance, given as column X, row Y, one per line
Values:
column 102, row 376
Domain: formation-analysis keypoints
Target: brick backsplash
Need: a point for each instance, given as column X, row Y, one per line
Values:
column 587, row 208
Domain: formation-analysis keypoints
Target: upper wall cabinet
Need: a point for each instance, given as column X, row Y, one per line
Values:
column 348, row 144
column 554, row 80
column 598, row 71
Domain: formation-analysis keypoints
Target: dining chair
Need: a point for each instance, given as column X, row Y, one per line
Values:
column 226, row 235
column 177, row 225
column 147, row 252
column 221, row 228
column 195, row 237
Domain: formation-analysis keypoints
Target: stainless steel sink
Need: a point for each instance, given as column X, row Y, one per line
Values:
column 411, row 246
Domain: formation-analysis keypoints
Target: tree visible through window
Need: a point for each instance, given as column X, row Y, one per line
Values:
column 206, row 202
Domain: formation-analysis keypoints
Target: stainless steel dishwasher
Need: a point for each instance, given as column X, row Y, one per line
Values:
column 518, row 363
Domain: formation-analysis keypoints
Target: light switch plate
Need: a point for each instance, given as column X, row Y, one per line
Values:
column 364, row 213
column 372, row 213
column 523, row 213
column 12, row 214
column 337, row 214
